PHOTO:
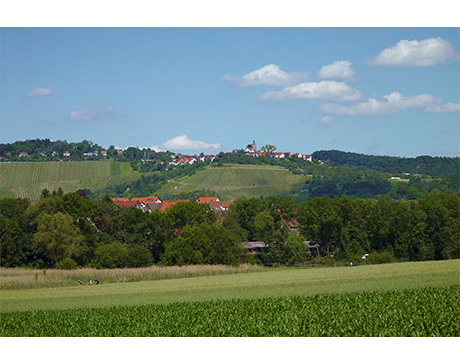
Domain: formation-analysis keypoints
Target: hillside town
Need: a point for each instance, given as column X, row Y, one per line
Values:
column 89, row 151
column 250, row 151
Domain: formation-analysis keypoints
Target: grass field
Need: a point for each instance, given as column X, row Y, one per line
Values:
column 28, row 179
column 269, row 283
column 234, row 181
column 418, row 299
column 404, row 313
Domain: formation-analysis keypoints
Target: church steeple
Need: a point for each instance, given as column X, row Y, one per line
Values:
column 254, row 146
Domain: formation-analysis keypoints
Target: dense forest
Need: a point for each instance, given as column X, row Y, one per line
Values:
column 425, row 165
column 70, row 230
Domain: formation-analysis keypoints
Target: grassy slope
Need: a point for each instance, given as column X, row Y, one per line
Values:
column 235, row 181
column 272, row 283
column 28, row 179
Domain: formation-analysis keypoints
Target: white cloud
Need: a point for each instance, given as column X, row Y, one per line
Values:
column 323, row 90
column 182, row 142
column 327, row 120
column 39, row 92
column 100, row 112
column 391, row 104
column 82, row 114
column 269, row 75
column 340, row 70
column 412, row 53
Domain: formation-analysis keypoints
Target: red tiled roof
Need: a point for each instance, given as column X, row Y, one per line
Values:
column 202, row 200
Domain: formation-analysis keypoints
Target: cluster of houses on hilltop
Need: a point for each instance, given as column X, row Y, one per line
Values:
column 182, row 160
column 250, row 151
column 179, row 159
column 43, row 154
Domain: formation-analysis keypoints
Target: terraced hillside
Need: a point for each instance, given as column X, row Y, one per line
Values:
column 28, row 179
column 235, row 181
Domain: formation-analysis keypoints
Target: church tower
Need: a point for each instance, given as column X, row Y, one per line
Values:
column 254, row 146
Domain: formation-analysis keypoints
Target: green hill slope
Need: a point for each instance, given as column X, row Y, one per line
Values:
column 235, row 181
column 28, row 179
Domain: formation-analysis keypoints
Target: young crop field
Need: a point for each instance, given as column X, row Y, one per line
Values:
column 419, row 312
column 28, row 179
column 400, row 299
column 235, row 181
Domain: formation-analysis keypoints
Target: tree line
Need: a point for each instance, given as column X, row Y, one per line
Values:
column 426, row 165
column 70, row 230
column 364, row 183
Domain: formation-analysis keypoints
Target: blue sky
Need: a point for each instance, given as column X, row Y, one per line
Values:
column 380, row 91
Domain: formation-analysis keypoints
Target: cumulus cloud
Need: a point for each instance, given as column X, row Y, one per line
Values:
column 269, row 75
column 391, row 104
column 412, row 53
column 339, row 70
column 323, row 90
column 82, row 114
column 182, row 142
column 102, row 111
column 327, row 120
column 39, row 92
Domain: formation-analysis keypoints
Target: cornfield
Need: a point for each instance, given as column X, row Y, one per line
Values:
column 403, row 313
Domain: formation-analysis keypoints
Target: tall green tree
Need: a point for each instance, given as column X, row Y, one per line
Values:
column 203, row 244
column 58, row 236
column 110, row 256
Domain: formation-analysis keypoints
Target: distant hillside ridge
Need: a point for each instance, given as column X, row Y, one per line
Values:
column 426, row 165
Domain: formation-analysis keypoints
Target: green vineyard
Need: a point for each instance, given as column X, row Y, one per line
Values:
column 236, row 181
column 28, row 179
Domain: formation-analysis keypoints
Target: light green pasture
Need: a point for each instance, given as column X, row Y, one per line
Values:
column 271, row 283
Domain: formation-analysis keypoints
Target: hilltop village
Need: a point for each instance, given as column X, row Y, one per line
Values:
column 250, row 151
column 42, row 150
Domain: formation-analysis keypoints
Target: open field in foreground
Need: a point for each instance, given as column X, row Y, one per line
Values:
column 403, row 299
column 269, row 283
column 417, row 312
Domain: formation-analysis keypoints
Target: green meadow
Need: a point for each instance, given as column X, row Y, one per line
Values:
column 402, row 299
column 248, row 286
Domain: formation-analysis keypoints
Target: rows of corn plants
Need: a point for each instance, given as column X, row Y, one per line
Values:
column 401, row 313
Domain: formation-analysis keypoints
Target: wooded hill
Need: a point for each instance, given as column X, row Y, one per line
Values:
column 140, row 173
column 425, row 165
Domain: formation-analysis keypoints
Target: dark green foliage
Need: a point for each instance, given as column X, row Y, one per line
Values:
column 67, row 264
column 110, row 256
column 426, row 229
column 432, row 166
column 203, row 244
column 71, row 226
column 139, row 256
